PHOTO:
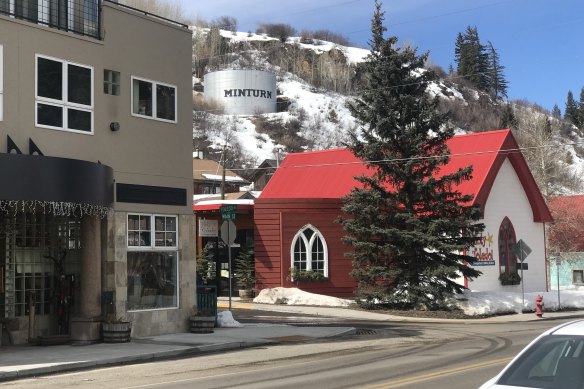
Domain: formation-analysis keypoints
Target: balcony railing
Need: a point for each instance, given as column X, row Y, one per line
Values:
column 78, row 16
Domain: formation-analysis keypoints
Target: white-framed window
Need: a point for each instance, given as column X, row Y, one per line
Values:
column 578, row 277
column 64, row 95
column 152, row 261
column 309, row 251
column 153, row 100
column 154, row 231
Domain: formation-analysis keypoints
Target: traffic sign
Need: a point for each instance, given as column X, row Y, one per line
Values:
column 228, row 232
column 228, row 211
column 522, row 250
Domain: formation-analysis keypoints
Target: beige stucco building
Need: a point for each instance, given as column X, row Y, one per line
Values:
column 95, row 169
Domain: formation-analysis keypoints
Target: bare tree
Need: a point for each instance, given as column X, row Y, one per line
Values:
column 170, row 9
column 538, row 136
column 225, row 23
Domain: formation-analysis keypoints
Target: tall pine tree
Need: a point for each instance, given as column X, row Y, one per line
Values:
column 496, row 78
column 472, row 59
column 581, row 109
column 407, row 227
column 571, row 113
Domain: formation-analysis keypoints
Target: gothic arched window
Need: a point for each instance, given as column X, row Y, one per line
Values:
column 309, row 251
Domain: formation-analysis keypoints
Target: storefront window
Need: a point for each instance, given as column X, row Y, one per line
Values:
column 152, row 280
column 152, row 262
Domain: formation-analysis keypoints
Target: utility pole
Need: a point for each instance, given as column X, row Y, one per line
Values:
column 223, row 176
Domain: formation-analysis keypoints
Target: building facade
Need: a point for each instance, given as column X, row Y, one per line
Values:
column 95, row 133
column 296, row 216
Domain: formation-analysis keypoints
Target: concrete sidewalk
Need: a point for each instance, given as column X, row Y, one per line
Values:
column 27, row 361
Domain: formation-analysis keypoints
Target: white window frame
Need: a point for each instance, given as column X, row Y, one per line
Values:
column 154, row 102
column 152, row 246
column 63, row 103
column 308, row 244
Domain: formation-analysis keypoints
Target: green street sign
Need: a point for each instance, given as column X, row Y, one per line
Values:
column 228, row 211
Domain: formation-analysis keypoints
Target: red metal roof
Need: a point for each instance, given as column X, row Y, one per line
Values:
column 330, row 173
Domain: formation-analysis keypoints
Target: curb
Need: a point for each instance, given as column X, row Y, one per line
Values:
column 127, row 360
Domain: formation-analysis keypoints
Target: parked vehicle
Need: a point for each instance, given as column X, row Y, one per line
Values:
column 554, row 360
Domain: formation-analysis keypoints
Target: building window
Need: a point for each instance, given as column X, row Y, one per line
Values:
column 111, row 82
column 64, row 95
column 507, row 241
column 578, row 276
column 309, row 251
column 152, row 262
column 39, row 258
column 68, row 15
column 153, row 100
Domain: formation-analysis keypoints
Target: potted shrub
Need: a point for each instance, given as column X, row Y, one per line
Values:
column 245, row 273
column 510, row 278
column 305, row 275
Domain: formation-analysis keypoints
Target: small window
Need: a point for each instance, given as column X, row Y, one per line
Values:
column 154, row 231
column 578, row 276
column 111, row 82
column 153, row 100
column 64, row 95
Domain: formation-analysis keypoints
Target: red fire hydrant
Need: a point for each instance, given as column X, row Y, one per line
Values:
column 539, row 306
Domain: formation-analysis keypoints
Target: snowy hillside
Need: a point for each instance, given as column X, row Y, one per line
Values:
column 317, row 117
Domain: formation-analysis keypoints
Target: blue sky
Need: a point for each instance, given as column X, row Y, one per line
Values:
column 540, row 42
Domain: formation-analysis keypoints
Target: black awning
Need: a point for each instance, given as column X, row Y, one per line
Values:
column 35, row 178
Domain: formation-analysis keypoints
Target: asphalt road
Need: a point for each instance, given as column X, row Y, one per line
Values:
column 380, row 355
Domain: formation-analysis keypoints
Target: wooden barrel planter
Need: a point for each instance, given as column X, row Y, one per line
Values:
column 202, row 324
column 118, row 332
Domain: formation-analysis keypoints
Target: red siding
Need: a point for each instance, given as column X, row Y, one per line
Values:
column 278, row 220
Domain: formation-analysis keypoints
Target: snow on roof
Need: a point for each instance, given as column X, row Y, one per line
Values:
column 217, row 177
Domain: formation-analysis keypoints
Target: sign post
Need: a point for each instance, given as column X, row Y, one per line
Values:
column 522, row 250
column 228, row 233
column 558, row 259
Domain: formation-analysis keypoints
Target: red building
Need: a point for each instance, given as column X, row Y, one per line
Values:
column 295, row 216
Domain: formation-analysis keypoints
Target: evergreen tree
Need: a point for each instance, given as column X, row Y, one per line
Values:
column 508, row 118
column 556, row 113
column 408, row 226
column 571, row 111
column 581, row 109
column 495, row 76
column 472, row 59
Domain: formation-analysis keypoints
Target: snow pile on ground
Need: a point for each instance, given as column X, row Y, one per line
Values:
column 493, row 303
column 471, row 302
column 295, row 296
column 225, row 320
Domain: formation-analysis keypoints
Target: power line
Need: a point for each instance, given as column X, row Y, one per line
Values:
column 419, row 158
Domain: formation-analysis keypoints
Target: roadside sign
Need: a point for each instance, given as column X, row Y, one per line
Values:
column 228, row 211
column 228, row 232
column 522, row 250
column 208, row 228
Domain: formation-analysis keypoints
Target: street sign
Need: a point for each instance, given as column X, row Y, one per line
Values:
column 228, row 211
column 522, row 250
column 208, row 228
column 228, row 232
column 522, row 266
